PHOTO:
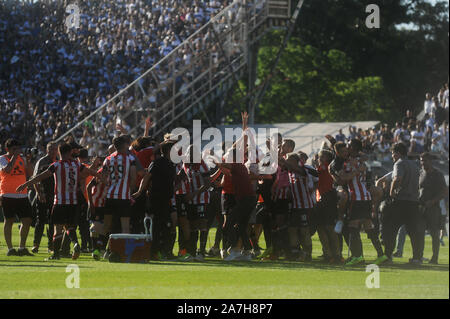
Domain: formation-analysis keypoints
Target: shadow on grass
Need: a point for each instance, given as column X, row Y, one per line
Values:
column 38, row 263
column 298, row 265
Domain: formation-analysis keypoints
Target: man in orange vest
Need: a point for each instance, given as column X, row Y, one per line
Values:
column 14, row 171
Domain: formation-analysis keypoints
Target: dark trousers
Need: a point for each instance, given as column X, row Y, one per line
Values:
column 43, row 212
column 406, row 213
column 267, row 223
column 161, row 227
column 239, row 221
column 433, row 225
column 138, row 214
column 213, row 213
column 83, row 224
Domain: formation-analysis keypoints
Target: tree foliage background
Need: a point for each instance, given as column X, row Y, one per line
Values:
column 336, row 69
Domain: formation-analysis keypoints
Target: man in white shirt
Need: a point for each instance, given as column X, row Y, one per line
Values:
column 445, row 136
column 427, row 105
column 397, row 131
column 417, row 140
column 436, row 140
column 429, row 121
column 445, row 97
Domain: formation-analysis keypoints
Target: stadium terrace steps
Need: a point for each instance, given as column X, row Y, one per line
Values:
column 175, row 91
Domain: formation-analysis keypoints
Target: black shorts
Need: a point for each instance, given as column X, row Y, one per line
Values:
column 118, row 207
column 19, row 207
column 228, row 202
column 195, row 212
column 65, row 214
column 242, row 211
column 160, row 209
column 359, row 210
column 98, row 215
column 138, row 209
column 214, row 207
column 281, row 206
column 252, row 219
column 299, row 217
column 326, row 209
column 433, row 218
column 180, row 205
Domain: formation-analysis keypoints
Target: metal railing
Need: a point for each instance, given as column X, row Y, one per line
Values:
column 181, row 84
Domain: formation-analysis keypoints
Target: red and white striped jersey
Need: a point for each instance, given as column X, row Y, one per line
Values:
column 311, row 188
column 312, row 180
column 99, row 192
column 301, row 197
column 283, row 192
column 67, row 175
column 357, row 186
column 183, row 186
column 196, row 180
column 118, row 166
column 282, row 188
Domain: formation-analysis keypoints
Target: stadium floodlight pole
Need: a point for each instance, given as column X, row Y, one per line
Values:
column 292, row 22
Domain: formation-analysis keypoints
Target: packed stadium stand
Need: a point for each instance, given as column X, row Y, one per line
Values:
column 129, row 58
column 52, row 77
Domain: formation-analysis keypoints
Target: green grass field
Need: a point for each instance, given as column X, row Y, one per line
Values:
column 32, row 277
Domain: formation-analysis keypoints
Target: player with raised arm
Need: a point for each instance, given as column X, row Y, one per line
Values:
column 67, row 173
column 237, row 222
column 360, row 206
column 336, row 170
column 228, row 201
column 281, row 195
column 326, row 209
column 196, row 199
column 300, row 213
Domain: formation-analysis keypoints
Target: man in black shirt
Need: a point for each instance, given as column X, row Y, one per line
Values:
column 160, row 175
column 44, row 198
column 264, row 210
column 432, row 189
column 336, row 169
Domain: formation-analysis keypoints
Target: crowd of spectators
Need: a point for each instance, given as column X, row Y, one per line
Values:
column 51, row 76
column 427, row 133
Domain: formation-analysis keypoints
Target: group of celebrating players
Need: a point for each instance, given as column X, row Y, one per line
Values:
column 332, row 197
